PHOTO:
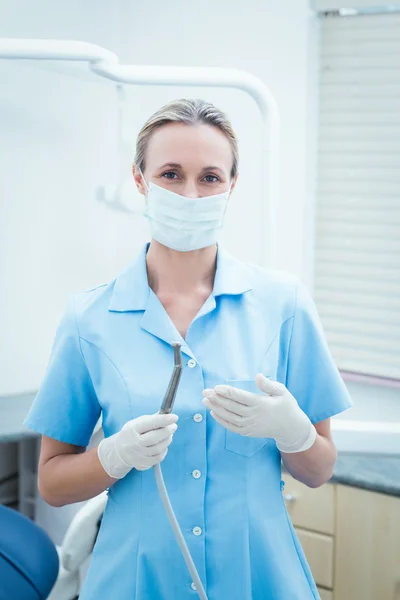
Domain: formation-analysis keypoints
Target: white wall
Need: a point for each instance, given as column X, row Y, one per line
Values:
column 58, row 143
column 275, row 41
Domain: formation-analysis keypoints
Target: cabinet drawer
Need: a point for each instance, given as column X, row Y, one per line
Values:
column 318, row 549
column 325, row 594
column 367, row 565
column 9, row 490
column 8, row 460
column 310, row 508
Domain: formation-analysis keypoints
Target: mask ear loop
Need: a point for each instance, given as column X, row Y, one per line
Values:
column 144, row 181
column 226, row 203
column 147, row 187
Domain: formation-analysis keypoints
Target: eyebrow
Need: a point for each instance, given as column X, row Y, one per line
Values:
column 175, row 165
column 179, row 166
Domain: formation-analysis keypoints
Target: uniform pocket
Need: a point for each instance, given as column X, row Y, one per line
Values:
column 240, row 444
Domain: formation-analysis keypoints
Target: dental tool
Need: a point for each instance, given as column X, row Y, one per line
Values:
column 166, row 407
column 169, row 398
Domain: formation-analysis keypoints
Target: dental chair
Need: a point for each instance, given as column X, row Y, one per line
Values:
column 28, row 558
column 76, row 549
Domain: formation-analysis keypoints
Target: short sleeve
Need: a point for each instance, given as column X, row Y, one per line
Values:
column 66, row 406
column 312, row 376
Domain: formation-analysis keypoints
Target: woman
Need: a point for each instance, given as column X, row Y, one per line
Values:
column 254, row 356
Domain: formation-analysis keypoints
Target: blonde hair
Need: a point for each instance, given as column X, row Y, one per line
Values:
column 189, row 111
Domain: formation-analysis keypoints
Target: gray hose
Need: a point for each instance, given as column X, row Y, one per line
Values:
column 178, row 533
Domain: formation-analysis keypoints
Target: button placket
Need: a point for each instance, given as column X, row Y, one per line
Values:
column 195, row 459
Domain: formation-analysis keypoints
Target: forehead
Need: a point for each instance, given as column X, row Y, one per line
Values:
column 189, row 145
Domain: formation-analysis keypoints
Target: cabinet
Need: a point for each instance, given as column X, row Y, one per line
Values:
column 367, row 545
column 313, row 515
column 318, row 548
column 8, row 473
column 312, row 509
column 351, row 538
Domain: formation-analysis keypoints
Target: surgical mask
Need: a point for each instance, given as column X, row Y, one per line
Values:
column 182, row 223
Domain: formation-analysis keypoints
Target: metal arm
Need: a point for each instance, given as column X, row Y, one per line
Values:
column 105, row 63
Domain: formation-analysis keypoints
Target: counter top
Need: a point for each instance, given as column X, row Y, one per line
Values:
column 13, row 410
column 374, row 472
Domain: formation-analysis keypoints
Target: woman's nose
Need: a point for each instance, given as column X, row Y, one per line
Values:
column 190, row 190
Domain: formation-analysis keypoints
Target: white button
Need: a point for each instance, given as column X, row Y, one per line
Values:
column 197, row 531
column 196, row 474
column 193, row 587
column 192, row 363
column 198, row 418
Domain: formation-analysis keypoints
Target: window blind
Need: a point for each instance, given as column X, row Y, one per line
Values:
column 357, row 253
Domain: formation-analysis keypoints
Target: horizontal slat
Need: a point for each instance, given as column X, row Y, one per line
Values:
column 347, row 102
column 360, row 173
column 341, row 255
column 366, row 47
column 367, row 271
column 353, row 244
column 359, row 160
column 361, row 351
column 385, row 232
column 365, row 314
column 352, row 132
column 361, row 330
column 342, row 298
column 364, row 147
column 364, row 202
column 369, row 62
column 371, row 189
column 336, row 4
column 372, row 26
column 340, row 215
column 358, row 44
column 362, row 119
column 355, row 314
column 348, row 362
column 360, row 90
column 376, row 76
column 388, row 348
column 354, row 284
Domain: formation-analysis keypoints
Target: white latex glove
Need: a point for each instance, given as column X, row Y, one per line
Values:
column 275, row 414
column 141, row 444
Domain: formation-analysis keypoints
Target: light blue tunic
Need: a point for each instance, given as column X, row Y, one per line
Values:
column 112, row 354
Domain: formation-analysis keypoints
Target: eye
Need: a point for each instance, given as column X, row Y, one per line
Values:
column 211, row 178
column 168, row 175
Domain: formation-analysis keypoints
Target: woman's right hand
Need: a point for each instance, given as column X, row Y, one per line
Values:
column 142, row 443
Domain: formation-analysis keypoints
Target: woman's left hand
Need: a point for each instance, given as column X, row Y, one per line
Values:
column 275, row 414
